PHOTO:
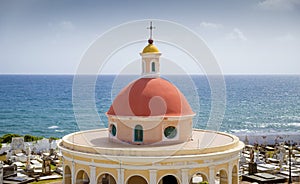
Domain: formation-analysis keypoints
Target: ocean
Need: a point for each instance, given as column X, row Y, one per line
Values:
column 42, row 105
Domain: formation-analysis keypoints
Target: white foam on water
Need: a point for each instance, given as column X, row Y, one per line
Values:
column 294, row 124
column 59, row 130
column 53, row 127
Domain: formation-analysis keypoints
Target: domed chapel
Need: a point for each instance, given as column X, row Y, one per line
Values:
column 150, row 138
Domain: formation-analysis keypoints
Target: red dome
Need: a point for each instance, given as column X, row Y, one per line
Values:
column 150, row 97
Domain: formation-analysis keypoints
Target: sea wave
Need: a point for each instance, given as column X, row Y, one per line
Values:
column 53, row 127
column 59, row 130
column 291, row 118
column 295, row 124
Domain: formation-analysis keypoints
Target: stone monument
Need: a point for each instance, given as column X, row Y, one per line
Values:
column 246, row 141
column 1, row 173
column 28, row 164
column 252, row 164
column 281, row 156
column 17, row 145
column 46, row 168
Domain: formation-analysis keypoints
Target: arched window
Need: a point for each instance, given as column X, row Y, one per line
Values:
column 138, row 133
column 106, row 178
column 82, row 177
column 68, row 175
column 153, row 66
column 169, row 179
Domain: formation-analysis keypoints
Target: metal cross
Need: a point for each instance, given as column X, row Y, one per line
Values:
column 151, row 28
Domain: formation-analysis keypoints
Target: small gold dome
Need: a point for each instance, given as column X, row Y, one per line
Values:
column 150, row 48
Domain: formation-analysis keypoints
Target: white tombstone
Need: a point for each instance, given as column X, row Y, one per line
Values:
column 8, row 155
column 43, row 145
column 281, row 156
column 28, row 152
column 17, row 144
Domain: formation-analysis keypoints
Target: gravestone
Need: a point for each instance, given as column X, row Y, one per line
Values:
column 252, row 168
column 246, row 141
column 1, row 173
column 281, row 157
column 10, row 171
column 46, row 168
column 252, row 164
column 17, row 145
column 28, row 152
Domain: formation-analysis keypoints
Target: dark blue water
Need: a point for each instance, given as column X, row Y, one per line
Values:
column 42, row 105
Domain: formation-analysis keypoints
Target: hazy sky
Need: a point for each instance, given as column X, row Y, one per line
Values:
column 246, row 36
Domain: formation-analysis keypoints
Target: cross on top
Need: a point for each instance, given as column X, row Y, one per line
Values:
column 151, row 28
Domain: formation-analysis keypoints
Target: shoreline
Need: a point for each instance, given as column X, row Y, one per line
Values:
column 270, row 138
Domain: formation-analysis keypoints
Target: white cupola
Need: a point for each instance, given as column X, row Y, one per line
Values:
column 150, row 58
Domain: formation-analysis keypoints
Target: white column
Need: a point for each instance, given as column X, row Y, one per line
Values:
column 153, row 176
column 120, row 176
column 211, row 174
column 93, row 179
column 229, row 172
column 73, row 173
column 185, row 176
column 64, row 172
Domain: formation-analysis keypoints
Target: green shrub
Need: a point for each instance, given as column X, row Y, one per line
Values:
column 53, row 138
column 31, row 138
column 8, row 137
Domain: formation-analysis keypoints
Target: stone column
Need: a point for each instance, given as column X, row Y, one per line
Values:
column 152, row 176
column 64, row 172
column 73, row 173
column 229, row 175
column 185, row 176
column 211, row 174
column 93, row 179
column 120, row 176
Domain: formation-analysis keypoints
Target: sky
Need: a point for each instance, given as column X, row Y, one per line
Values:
column 245, row 36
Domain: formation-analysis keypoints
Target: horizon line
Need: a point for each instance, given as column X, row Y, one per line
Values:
column 133, row 74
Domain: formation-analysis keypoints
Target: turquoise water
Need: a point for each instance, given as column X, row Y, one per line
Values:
column 42, row 104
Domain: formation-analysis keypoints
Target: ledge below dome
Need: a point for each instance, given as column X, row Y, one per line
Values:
column 204, row 144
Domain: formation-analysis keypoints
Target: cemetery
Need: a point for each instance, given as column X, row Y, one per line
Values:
column 26, row 162
column 39, row 160
column 277, row 163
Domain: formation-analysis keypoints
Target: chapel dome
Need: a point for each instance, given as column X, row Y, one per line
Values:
column 150, row 97
column 150, row 48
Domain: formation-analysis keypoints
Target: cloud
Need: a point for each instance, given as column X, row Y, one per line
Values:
column 281, row 5
column 286, row 38
column 236, row 34
column 211, row 25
